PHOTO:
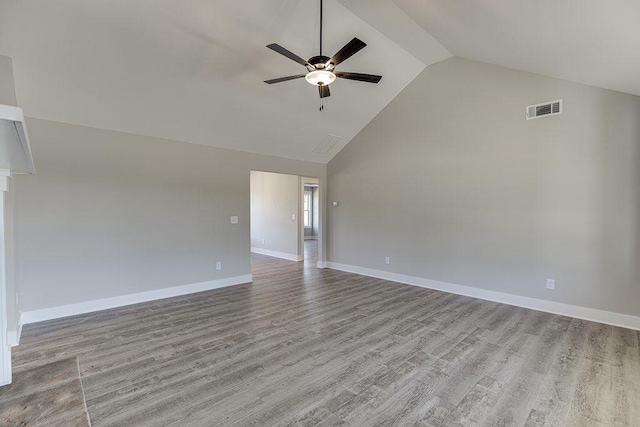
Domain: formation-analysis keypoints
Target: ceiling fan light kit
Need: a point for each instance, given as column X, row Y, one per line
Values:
column 321, row 69
column 320, row 77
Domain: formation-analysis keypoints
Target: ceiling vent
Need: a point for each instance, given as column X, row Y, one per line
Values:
column 326, row 144
column 551, row 108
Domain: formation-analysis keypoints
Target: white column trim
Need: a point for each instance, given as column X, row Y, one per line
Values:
column 5, row 348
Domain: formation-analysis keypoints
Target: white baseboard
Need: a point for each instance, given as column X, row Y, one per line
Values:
column 322, row 264
column 124, row 300
column 276, row 254
column 585, row 313
column 310, row 237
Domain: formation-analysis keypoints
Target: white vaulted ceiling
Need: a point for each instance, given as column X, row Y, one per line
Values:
column 595, row 42
column 193, row 70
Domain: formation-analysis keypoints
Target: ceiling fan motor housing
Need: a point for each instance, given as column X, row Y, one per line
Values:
column 321, row 62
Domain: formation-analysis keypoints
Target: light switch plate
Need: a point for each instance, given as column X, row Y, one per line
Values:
column 234, row 219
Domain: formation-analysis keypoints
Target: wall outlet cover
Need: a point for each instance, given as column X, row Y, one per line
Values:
column 234, row 219
column 551, row 284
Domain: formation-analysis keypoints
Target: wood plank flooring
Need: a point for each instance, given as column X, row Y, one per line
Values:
column 47, row 395
column 304, row 346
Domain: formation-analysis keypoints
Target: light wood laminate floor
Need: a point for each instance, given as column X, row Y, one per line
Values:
column 304, row 346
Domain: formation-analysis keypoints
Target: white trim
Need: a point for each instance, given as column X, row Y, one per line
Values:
column 5, row 349
column 311, row 237
column 13, row 337
column 124, row 300
column 276, row 254
column 11, row 113
column 23, row 163
column 585, row 313
column 20, row 325
column 322, row 264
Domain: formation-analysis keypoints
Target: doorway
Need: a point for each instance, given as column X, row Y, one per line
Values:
column 286, row 218
column 310, row 219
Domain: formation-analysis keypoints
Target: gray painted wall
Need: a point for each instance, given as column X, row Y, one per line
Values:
column 453, row 184
column 7, row 88
column 274, row 201
column 112, row 214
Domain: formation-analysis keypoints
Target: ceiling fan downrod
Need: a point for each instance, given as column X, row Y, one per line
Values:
column 321, row 27
column 321, row 99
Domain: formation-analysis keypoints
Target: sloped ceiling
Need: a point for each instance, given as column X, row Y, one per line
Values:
column 193, row 70
column 595, row 42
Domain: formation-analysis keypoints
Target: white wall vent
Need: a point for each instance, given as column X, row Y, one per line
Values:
column 327, row 144
column 551, row 108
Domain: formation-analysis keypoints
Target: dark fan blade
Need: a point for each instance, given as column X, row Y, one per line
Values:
column 369, row 78
column 324, row 91
column 347, row 51
column 284, row 79
column 282, row 51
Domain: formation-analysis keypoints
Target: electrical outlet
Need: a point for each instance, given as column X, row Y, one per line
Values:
column 263, row 241
column 218, row 265
column 551, row 284
column 293, row 216
column 387, row 260
column 234, row 219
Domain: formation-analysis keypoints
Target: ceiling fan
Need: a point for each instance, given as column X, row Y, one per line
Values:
column 321, row 70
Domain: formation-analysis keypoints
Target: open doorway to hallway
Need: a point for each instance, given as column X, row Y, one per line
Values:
column 310, row 219
column 286, row 216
